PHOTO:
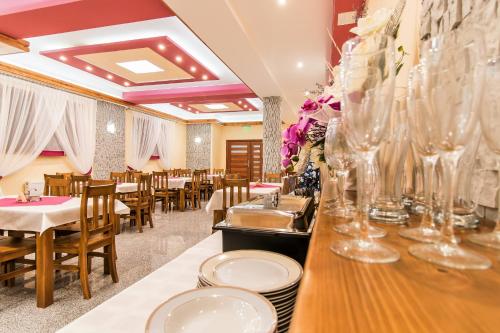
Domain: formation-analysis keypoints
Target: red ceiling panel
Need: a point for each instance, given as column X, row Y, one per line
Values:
column 80, row 15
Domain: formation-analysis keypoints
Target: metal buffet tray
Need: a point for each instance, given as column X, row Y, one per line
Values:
column 284, row 229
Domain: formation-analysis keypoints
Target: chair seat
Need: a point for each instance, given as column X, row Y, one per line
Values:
column 71, row 243
column 68, row 228
column 12, row 248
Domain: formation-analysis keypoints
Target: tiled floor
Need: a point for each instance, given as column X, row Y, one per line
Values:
column 138, row 255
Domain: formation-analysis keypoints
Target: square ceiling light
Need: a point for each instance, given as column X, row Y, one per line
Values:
column 140, row 66
column 216, row 106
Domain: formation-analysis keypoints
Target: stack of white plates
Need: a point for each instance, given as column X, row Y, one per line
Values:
column 274, row 276
column 214, row 310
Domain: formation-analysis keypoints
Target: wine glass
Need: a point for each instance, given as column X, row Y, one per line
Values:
column 340, row 158
column 421, row 134
column 490, row 120
column 453, row 78
column 367, row 79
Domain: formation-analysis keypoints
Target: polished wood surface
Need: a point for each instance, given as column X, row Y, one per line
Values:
column 20, row 44
column 341, row 295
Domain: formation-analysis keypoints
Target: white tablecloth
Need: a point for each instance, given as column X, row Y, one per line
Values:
column 179, row 182
column 41, row 218
column 215, row 201
column 126, row 187
column 129, row 310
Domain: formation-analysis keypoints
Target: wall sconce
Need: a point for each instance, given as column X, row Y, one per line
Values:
column 111, row 127
column 197, row 140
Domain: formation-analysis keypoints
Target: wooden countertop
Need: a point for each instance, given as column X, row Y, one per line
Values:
column 341, row 295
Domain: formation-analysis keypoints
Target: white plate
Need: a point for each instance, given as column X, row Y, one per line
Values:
column 260, row 271
column 214, row 309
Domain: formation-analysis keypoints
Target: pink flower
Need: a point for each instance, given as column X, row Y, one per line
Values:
column 309, row 106
column 286, row 162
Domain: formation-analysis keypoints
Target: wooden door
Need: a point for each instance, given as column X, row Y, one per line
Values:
column 244, row 157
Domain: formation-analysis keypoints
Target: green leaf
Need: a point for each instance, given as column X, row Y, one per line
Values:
column 295, row 158
column 398, row 67
column 290, row 168
column 401, row 48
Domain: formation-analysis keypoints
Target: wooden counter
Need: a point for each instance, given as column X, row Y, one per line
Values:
column 341, row 295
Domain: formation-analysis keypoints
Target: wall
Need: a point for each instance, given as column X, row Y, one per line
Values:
column 110, row 147
column 198, row 155
column 230, row 132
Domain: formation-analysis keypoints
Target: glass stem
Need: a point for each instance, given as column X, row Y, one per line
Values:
column 341, row 177
column 450, row 164
column 429, row 163
column 363, row 200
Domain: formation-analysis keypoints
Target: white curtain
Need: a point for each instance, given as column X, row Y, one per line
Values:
column 29, row 116
column 143, row 140
column 77, row 132
column 165, row 139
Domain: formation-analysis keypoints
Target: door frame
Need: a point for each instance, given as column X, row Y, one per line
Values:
column 250, row 154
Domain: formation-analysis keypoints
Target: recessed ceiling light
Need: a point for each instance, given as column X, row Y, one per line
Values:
column 239, row 102
column 89, row 68
column 189, row 109
column 197, row 112
column 109, row 76
column 140, row 66
column 180, row 105
column 204, row 77
column 281, row 2
column 161, row 47
column 245, row 106
column 216, row 106
column 178, row 59
column 63, row 58
column 300, row 64
column 192, row 69
column 126, row 83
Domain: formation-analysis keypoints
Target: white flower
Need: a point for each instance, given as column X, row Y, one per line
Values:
column 372, row 23
column 315, row 157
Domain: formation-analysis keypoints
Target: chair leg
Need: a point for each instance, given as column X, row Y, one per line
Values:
column 138, row 220
column 150, row 218
column 154, row 204
column 84, row 275
column 112, row 261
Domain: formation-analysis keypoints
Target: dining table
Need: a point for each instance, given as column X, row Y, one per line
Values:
column 40, row 218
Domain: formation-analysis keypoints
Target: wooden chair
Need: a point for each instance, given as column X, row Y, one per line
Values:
column 289, row 184
column 45, row 178
column 133, row 176
column 66, row 175
column 77, row 184
column 232, row 176
column 176, row 172
column 217, row 183
column 12, row 251
column 96, row 232
column 272, row 177
column 193, row 194
column 161, row 190
column 118, row 177
column 57, row 187
column 230, row 185
column 205, row 185
column 141, row 203
column 219, row 172
column 185, row 173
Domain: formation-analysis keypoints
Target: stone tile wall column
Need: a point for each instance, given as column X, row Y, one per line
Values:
column 272, row 134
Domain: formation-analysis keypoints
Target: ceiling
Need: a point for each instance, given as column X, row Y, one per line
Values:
column 191, row 59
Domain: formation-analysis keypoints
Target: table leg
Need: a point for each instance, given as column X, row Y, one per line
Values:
column 44, row 268
column 182, row 200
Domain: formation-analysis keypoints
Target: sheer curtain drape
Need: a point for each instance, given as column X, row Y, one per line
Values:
column 165, row 139
column 143, row 140
column 29, row 116
column 76, row 132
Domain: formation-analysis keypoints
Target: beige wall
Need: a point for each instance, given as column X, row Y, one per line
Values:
column 13, row 183
column 229, row 132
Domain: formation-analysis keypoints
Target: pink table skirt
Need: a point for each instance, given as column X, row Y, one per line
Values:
column 264, row 186
column 46, row 201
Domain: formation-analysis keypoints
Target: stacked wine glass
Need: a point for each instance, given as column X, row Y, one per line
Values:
column 274, row 276
column 446, row 113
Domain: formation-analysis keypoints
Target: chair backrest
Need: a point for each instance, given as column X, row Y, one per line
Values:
column 203, row 175
column 57, row 186
column 197, row 179
column 272, row 177
column 95, row 182
column 232, row 176
column 290, row 183
column 231, row 185
column 144, row 187
column 217, row 182
column 133, row 176
column 176, row 172
column 118, row 177
column 185, row 173
column 77, row 185
column 101, row 221
column 66, row 175
column 46, row 178
column 219, row 172
column 160, row 180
